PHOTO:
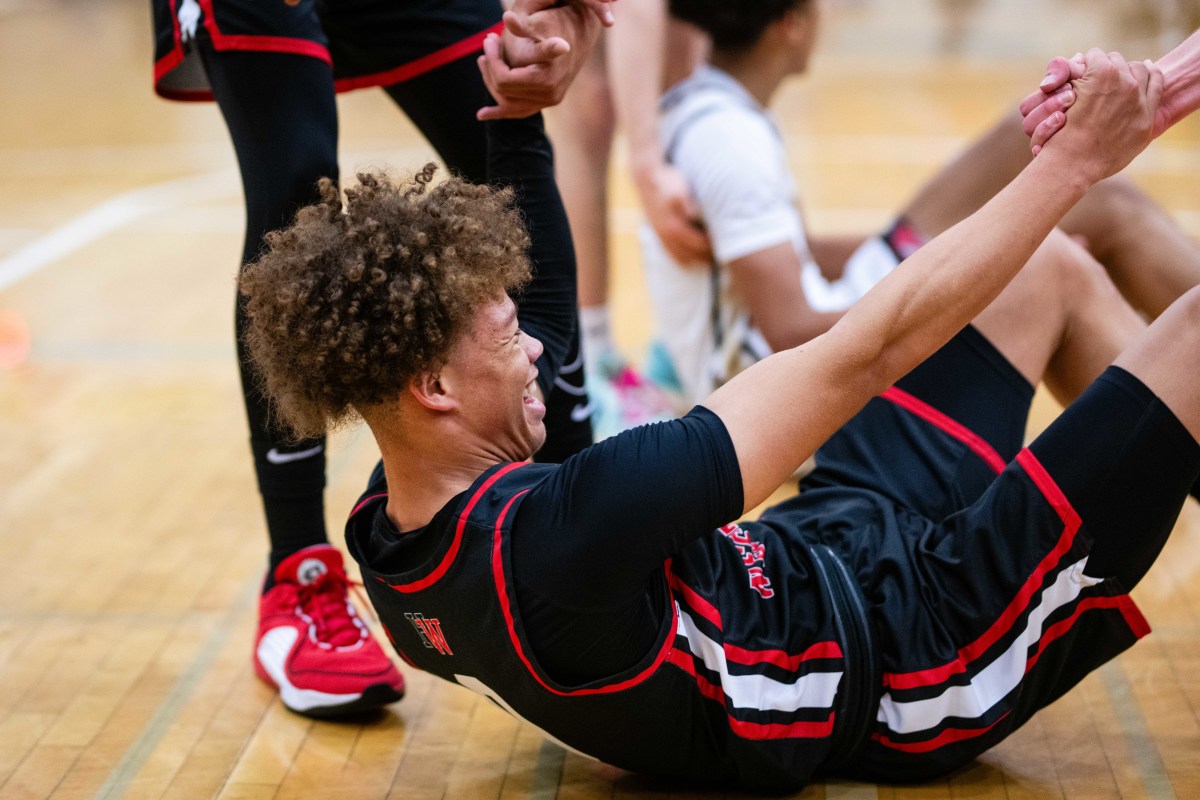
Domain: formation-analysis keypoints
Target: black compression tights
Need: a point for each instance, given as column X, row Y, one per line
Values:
column 282, row 117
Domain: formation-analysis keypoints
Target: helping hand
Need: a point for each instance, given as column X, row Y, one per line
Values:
column 543, row 46
column 1113, row 114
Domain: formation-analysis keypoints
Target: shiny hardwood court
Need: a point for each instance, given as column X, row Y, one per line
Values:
column 130, row 534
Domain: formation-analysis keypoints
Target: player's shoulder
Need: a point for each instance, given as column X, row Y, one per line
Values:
column 709, row 100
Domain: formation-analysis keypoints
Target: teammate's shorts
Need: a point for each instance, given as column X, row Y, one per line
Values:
column 972, row 552
column 367, row 42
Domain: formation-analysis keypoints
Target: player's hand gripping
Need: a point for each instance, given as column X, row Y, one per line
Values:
column 1114, row 112
column 1041, row 109
column 544, row 44
column 1045, row 110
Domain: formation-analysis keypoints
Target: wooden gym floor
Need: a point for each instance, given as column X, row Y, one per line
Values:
column 130, row 536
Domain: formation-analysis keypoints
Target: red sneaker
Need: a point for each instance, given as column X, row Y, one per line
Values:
column 313, row 646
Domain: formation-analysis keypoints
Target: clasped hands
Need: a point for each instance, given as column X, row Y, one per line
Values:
column 1045, row 109
column 544, row 44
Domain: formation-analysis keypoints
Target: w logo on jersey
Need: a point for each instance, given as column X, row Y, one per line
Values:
column 430, row 631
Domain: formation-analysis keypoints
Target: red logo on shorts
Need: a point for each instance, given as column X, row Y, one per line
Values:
column 430, row 631
column 753, row 555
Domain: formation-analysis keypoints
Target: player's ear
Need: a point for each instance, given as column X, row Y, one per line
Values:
column 430, row 391
column 800, row 30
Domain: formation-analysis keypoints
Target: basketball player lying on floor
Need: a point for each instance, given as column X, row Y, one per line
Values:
column 932, row 586
column 774, row 284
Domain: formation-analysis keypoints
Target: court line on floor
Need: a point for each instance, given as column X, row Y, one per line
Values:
column 111, row 215
column 152, row 733
column 1150, row 768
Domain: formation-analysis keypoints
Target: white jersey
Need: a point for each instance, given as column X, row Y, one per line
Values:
column 729, row 150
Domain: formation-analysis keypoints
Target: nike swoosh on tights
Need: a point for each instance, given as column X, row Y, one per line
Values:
column 581, row 412
column 276, row 457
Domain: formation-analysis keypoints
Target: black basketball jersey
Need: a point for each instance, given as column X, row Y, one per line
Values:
column 745, row 682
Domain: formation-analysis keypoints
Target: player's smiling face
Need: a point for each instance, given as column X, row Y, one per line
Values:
column 492, row 376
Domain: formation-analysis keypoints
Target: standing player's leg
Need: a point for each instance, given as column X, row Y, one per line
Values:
column 281, row 115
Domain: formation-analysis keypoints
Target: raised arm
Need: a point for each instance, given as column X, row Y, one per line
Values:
column 780, row 410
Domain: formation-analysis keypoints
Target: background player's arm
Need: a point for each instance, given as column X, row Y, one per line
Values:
column 769, row 283
column 781, row 409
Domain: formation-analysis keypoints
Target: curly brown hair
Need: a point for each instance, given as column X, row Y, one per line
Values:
column 346, row 306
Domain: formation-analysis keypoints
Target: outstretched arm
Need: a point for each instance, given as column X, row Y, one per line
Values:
column 779, row 411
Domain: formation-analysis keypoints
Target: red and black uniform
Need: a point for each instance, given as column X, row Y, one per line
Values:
column 366, row 43
column 273, row 67
column 931, row 586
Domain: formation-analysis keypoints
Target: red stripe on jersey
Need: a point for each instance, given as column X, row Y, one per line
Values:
column 267, row 44
column 404, row 72
column 948, row 736
column 741, row 655
column 939, row 420
column 1058, row 501
column 506, row 608
column 752, row 730
column 366, row 500
column 1133, row 618
column 448, row 559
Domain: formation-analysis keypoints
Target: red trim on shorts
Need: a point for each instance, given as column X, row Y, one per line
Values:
column 448, row 559
column 264, row 44
column 687, row 662
column 948, row 425
column 1133, row 618
column 304, row 47
column 428, row 63
column 948, row 736
column 751, row 730
column 506, row 607
column 741, row 655
column 1071, row 521
column 780, row 658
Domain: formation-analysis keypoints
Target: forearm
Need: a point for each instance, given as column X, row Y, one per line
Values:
column 1181, row 81
column 769, row 282
column 519, row 155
